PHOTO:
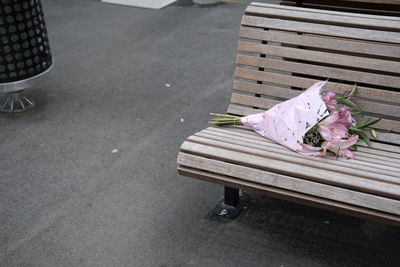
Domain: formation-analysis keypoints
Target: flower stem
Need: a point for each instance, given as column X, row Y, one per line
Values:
column 224, row 119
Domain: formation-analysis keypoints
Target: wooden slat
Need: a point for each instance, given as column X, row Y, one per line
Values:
column 323, row 17
column 358, row 10
column 395, row 2
column 337, row 59
column 386, row 167
column 386, row 147
column 250, row 137
column 291, row 196
column 391, row 138
column 386, row 9
column 372, row 107
column 321, row 29
column 266, row 89
column 248, row 157
column 336, row 44
column 387, row 150
column 381, row 108
column 303, row 83
column 361, row 161
column 322, row 71
column 246, row 130
column 241, row 110
column 293, row 158
column 251, row 101
column 290, row 183
column 327, row 12
column 373, row 171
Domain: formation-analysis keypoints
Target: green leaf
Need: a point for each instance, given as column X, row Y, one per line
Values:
column 353, row 91
column 371, row 123
column 365, row 138
column 382, row 130
column 355, row 130
column 362, row 123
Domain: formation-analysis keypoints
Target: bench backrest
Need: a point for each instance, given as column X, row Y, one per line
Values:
column 377, row 7
column 283, row 50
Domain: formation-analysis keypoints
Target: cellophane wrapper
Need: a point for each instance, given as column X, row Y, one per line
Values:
column 287, row 122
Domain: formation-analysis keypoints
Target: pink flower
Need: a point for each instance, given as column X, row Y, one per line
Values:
column 345, row 116
column 331, row 119
column 333, row 132
column 332, row 128
column 329, row 100
column 340, row 147
column 346, row 153
column 309, row 150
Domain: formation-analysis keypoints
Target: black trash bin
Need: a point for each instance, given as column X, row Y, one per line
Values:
column 24, row 51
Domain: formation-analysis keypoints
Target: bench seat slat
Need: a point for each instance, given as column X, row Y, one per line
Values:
column 312, row 41
column 370, row 171
column 296, row 197
column 291, row 183
column 367, row 169
column 321, row 29
column 255, row 139
column 279, row 163
column 391, row 151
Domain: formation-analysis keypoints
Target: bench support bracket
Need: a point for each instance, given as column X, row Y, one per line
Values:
column 232, row 204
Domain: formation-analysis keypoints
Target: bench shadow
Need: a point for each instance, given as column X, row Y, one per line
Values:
column 314, row 234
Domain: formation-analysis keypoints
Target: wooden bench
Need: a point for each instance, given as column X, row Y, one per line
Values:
column 376, row 7
column 276, row 41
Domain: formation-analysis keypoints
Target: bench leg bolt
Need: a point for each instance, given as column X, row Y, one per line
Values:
column 232, row 204
column 223, row 212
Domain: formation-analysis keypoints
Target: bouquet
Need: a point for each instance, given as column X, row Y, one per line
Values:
column 310, row 123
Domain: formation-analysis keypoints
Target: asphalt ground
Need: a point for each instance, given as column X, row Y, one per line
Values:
column 67, row 200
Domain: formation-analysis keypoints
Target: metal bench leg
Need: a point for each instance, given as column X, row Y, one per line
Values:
column 232, row 204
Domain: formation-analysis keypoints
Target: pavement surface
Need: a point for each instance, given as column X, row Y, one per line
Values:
column 88, row 177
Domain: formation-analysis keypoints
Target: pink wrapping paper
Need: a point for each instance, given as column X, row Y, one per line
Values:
column 286, row 123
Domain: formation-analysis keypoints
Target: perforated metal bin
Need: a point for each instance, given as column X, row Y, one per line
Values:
column 24, row 51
